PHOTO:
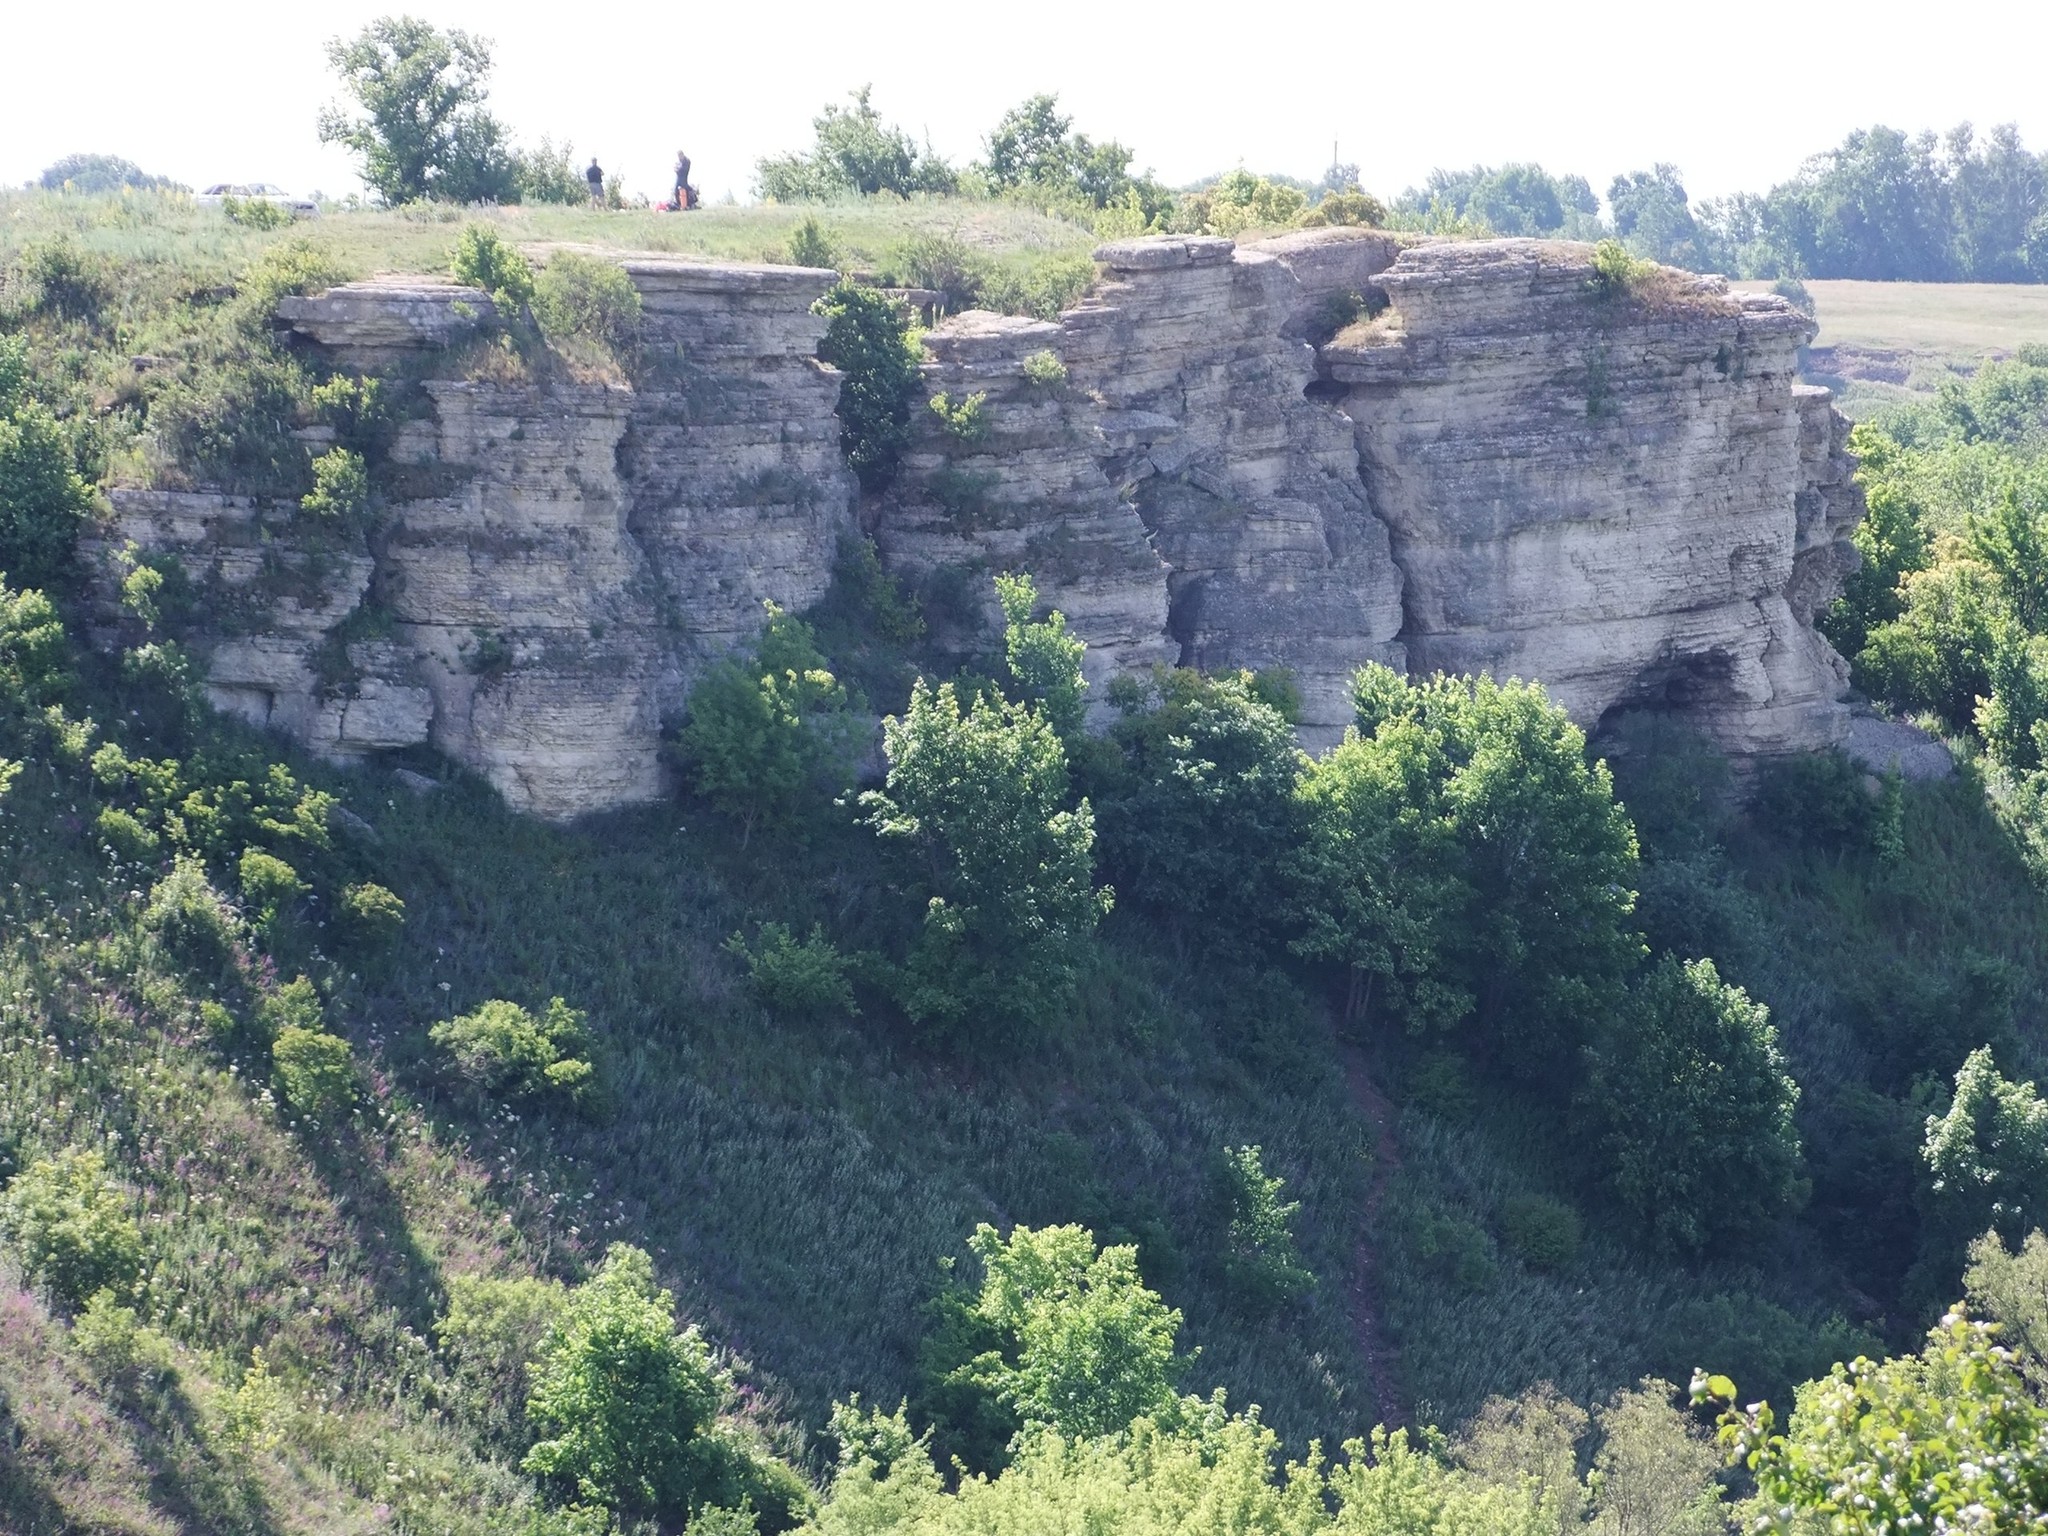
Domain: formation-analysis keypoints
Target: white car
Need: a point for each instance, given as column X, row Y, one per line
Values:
column 258, row 191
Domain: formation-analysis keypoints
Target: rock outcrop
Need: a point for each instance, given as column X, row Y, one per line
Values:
column 1214, row 459
column 1627, row 495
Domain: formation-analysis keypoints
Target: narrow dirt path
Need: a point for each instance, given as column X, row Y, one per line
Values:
column 1368, row 1318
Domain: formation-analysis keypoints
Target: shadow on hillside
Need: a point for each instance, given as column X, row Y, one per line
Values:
column 189, row 1480
column 26, row 1505
column 401, row 1277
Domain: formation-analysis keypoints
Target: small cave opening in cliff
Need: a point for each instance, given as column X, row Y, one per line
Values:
column 1681, row 690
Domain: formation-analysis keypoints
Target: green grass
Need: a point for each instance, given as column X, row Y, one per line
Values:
column 166, row 230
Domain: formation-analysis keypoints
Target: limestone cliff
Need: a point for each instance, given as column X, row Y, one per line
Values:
column 1626, row 495
column 1629, row 497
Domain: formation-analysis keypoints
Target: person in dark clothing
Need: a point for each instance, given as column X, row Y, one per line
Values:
column 686, row 195
column 595, row 177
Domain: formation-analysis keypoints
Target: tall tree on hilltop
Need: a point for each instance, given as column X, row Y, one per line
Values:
column 421, row 130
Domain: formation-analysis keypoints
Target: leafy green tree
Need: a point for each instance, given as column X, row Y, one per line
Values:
column 1531, row 1441
column 1377, row 888
column 1945, row 1440
column 1516, row 199
column 1043, row 660
column 43, row 499
column 1195, row 797
column 1262, row 1264
column 1547, row 850
column 1937, row 654
column 2011, row 538
column 1088, row 1347
column 72, row 1226
column 99, row 174
column 35, row 655
column 1653, row 216
column 867, row 340
column 1987, row 1158
column 1034, row 146
column 1654, row 1474
column 2011, row 1290
column 855, row 152
column 420, row 130
column 1892, row 540
column 978, row 795
column 767, row 736
column 626, row 1409
column 1689, row 1104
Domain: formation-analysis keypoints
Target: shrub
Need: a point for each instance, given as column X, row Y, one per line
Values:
column 43, row 500
column 341, row 489
column 1043, row 660
column 121, row 831
column 255, row 213
column 315, row 1071
column 232, row 426
column 1262, row 1265
column 941, row 263
column 295, row 1005
column 799, row 978
column 582, row 299
column 810, row 246
column 965, row 419
column 1690, row 1105
column 58, row 280
column 269, row 884
column 357, row 411
column 113, row 1338
column 370, row 915
column 290, row 268
column 1816, row 801
column 1541, row 1232
column 1617, row 273
column 867, row 340
column 1044, row 370
column 35, row 655
column 978, row 793
column 504, row 1048
column 190, row 919
column 72, row 1226
column 484, row 260
column 767, row 737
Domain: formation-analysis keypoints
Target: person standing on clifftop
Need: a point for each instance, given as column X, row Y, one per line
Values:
column 686, row 196
column 595, row 177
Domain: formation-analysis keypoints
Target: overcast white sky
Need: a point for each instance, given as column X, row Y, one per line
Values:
column 229, row 90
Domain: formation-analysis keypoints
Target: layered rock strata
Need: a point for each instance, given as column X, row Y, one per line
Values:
column 1177, row 492
column 559, row 557
column 1628, row 496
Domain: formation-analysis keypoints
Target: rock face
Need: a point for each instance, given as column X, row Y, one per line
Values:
column 563, row 556
column 1627, row 496
column 1630, row 498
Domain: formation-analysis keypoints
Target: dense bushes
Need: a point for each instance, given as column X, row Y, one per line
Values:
column 1690, row 1102
column 43, row 500
column 73, row 1226
column 505, row 1049
column 865, row 339
column 626, row 1409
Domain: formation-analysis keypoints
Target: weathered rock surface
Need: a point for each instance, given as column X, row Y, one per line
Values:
column 575, row 553
column 1629, row 498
